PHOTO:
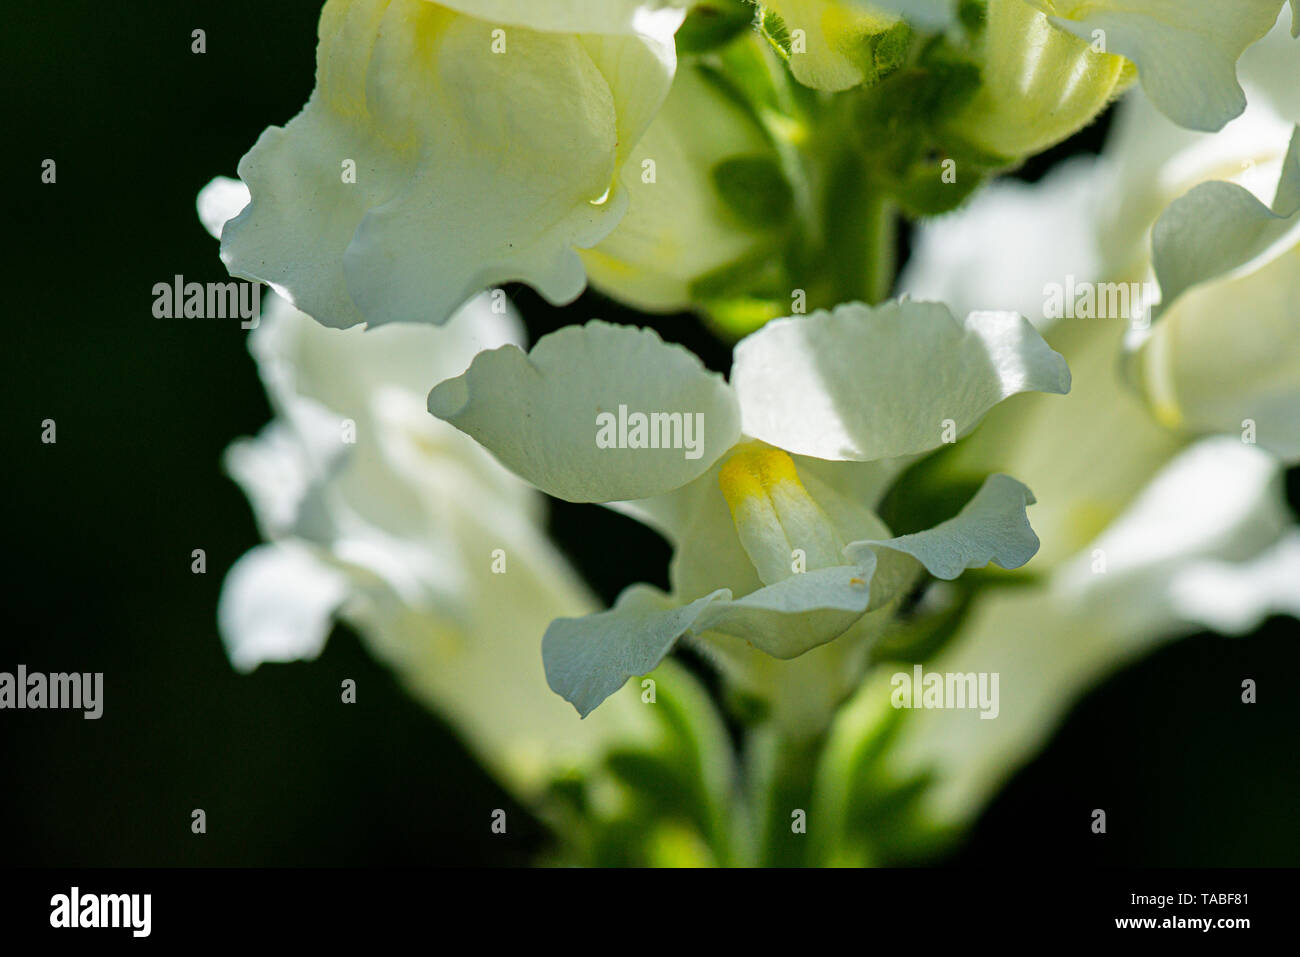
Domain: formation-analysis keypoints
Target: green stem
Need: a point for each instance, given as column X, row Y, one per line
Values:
column 784, row 768
column 860, row 234
column 882, row 258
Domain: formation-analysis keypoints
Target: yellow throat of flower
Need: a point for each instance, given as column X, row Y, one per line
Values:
column 781, row 527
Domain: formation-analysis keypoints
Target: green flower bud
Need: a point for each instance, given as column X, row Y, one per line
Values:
column 1040, row 84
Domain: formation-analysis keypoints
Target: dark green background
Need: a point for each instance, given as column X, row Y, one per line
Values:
column 100, row 527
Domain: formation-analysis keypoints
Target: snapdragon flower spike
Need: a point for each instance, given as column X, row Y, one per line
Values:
column 449, row 147
column 769, row 506
column 1186, row 53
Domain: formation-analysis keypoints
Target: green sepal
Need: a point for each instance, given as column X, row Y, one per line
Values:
column 777, row 33
column 866, row 815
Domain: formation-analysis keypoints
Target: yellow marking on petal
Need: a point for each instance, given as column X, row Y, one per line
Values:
column 774, row 515
column 755, row 472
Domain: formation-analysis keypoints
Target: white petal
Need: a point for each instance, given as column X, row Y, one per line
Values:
column 465, row 173
column 864, row 383
column 991, row 527
column 707, row 554
column 930, row 14
column 542, row 414
column 1064, row 449
column 277, row 604
column 221, row 200
column 360, row 395
column 1234, row 598
column 796, row 615
column 1225, row 353
column 1270, row 70
column 342, row 369
column 283, row 469
column 775, row 516
column 1010, row 242
column 1218, row 227
column 509, row 190
column 1226, row 359
column 707, row 551
column 578, row 16
column 678, row 515
column 1154, row 162
column 411, row 521
column 1211, row 510
column 588, row 659
column 639, row 70
column 1219, row 500
column 1186, row 53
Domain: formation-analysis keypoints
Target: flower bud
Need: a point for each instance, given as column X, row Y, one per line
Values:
column 1040, row 84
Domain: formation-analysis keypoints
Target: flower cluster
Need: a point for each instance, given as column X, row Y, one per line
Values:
column 750, row 163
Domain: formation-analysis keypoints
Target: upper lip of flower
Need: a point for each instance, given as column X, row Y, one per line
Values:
column 393, row 104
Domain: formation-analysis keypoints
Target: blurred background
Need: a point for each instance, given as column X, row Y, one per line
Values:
column 101, row 526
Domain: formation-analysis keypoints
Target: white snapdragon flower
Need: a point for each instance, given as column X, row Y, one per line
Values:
column 378, row 515
column 1214, row 222
column 449, row 147
column 1209, row 543
column 1144, row 537
column 766, row 485
column 1186, row 53
column 1095, row 221
column 1224, row 352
